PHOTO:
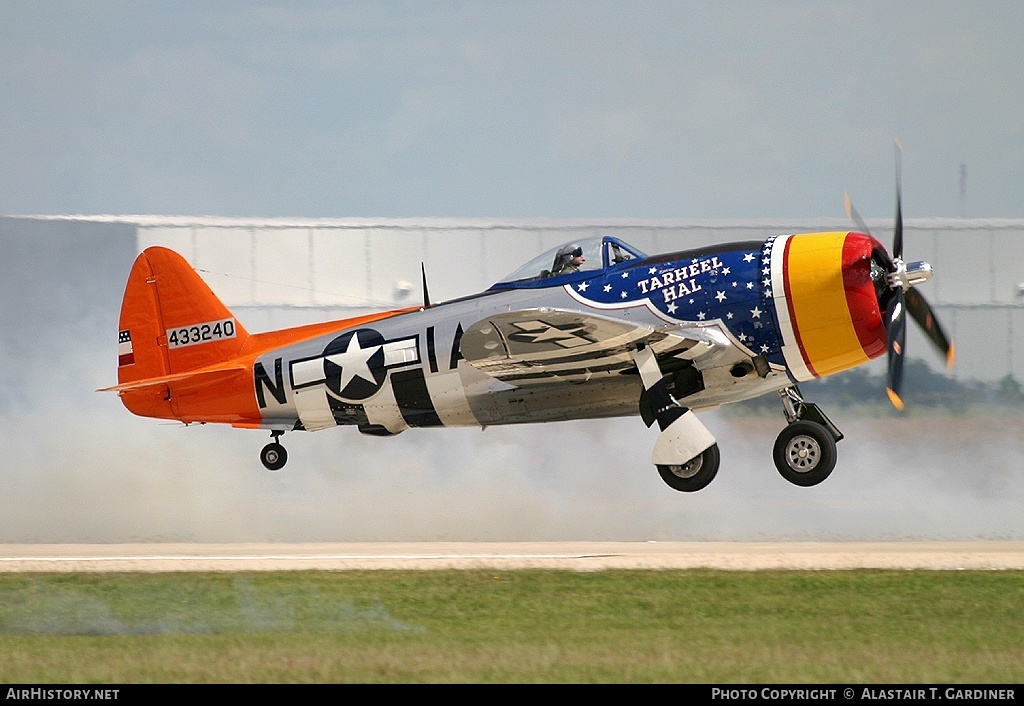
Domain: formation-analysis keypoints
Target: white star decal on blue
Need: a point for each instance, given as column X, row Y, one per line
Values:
column 720, row 296
column 756, row 313
column 354, row 362
column 583, row 286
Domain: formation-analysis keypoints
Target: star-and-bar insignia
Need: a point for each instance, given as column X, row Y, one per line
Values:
column 355, row 364
column 570, row 335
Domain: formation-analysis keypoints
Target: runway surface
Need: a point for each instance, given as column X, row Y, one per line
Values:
column 579, row 556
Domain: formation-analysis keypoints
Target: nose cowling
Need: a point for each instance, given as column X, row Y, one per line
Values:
column 830, row 293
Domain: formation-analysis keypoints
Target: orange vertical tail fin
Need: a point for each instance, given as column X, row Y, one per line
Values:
column 171, row 321
column 171, row 324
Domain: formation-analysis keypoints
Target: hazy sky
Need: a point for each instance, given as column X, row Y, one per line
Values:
column 520, row 109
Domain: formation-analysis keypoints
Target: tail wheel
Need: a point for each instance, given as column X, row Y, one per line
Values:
column 695, row 474
column 805, row 453
column 274, row 456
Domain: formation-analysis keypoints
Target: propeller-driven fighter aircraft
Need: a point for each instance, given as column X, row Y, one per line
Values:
column 592, row 329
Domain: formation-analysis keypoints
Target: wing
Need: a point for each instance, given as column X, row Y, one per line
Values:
column 534, row 346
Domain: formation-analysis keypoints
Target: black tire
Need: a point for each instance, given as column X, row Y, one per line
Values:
column 274, row 456
column 805, row 453
column 695, row 474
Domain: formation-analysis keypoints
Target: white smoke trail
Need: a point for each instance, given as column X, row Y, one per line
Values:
column 83, row 469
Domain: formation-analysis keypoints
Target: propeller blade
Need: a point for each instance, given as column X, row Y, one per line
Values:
column 896, row 332
column 897, row 235
column 925, row 317
column 851, row 212
column 902, row 297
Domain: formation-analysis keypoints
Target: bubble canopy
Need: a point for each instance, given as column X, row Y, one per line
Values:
column 598, row 253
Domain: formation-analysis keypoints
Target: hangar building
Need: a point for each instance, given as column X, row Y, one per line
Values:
column 63, row 276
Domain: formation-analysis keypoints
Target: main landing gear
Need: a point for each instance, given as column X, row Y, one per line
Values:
column 685, row 454
column 273, row 455
column 693, row 475
column 805, row 451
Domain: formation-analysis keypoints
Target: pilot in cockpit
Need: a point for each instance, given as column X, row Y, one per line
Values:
column 569, row 259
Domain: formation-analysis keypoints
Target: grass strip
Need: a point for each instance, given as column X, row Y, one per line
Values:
column 516, row 626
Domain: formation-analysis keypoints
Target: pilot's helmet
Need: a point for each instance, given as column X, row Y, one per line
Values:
column 567, row 254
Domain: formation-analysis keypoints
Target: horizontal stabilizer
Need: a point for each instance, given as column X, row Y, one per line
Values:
column 194, row 377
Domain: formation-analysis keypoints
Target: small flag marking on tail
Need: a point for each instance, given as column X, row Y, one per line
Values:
column 125, row 354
